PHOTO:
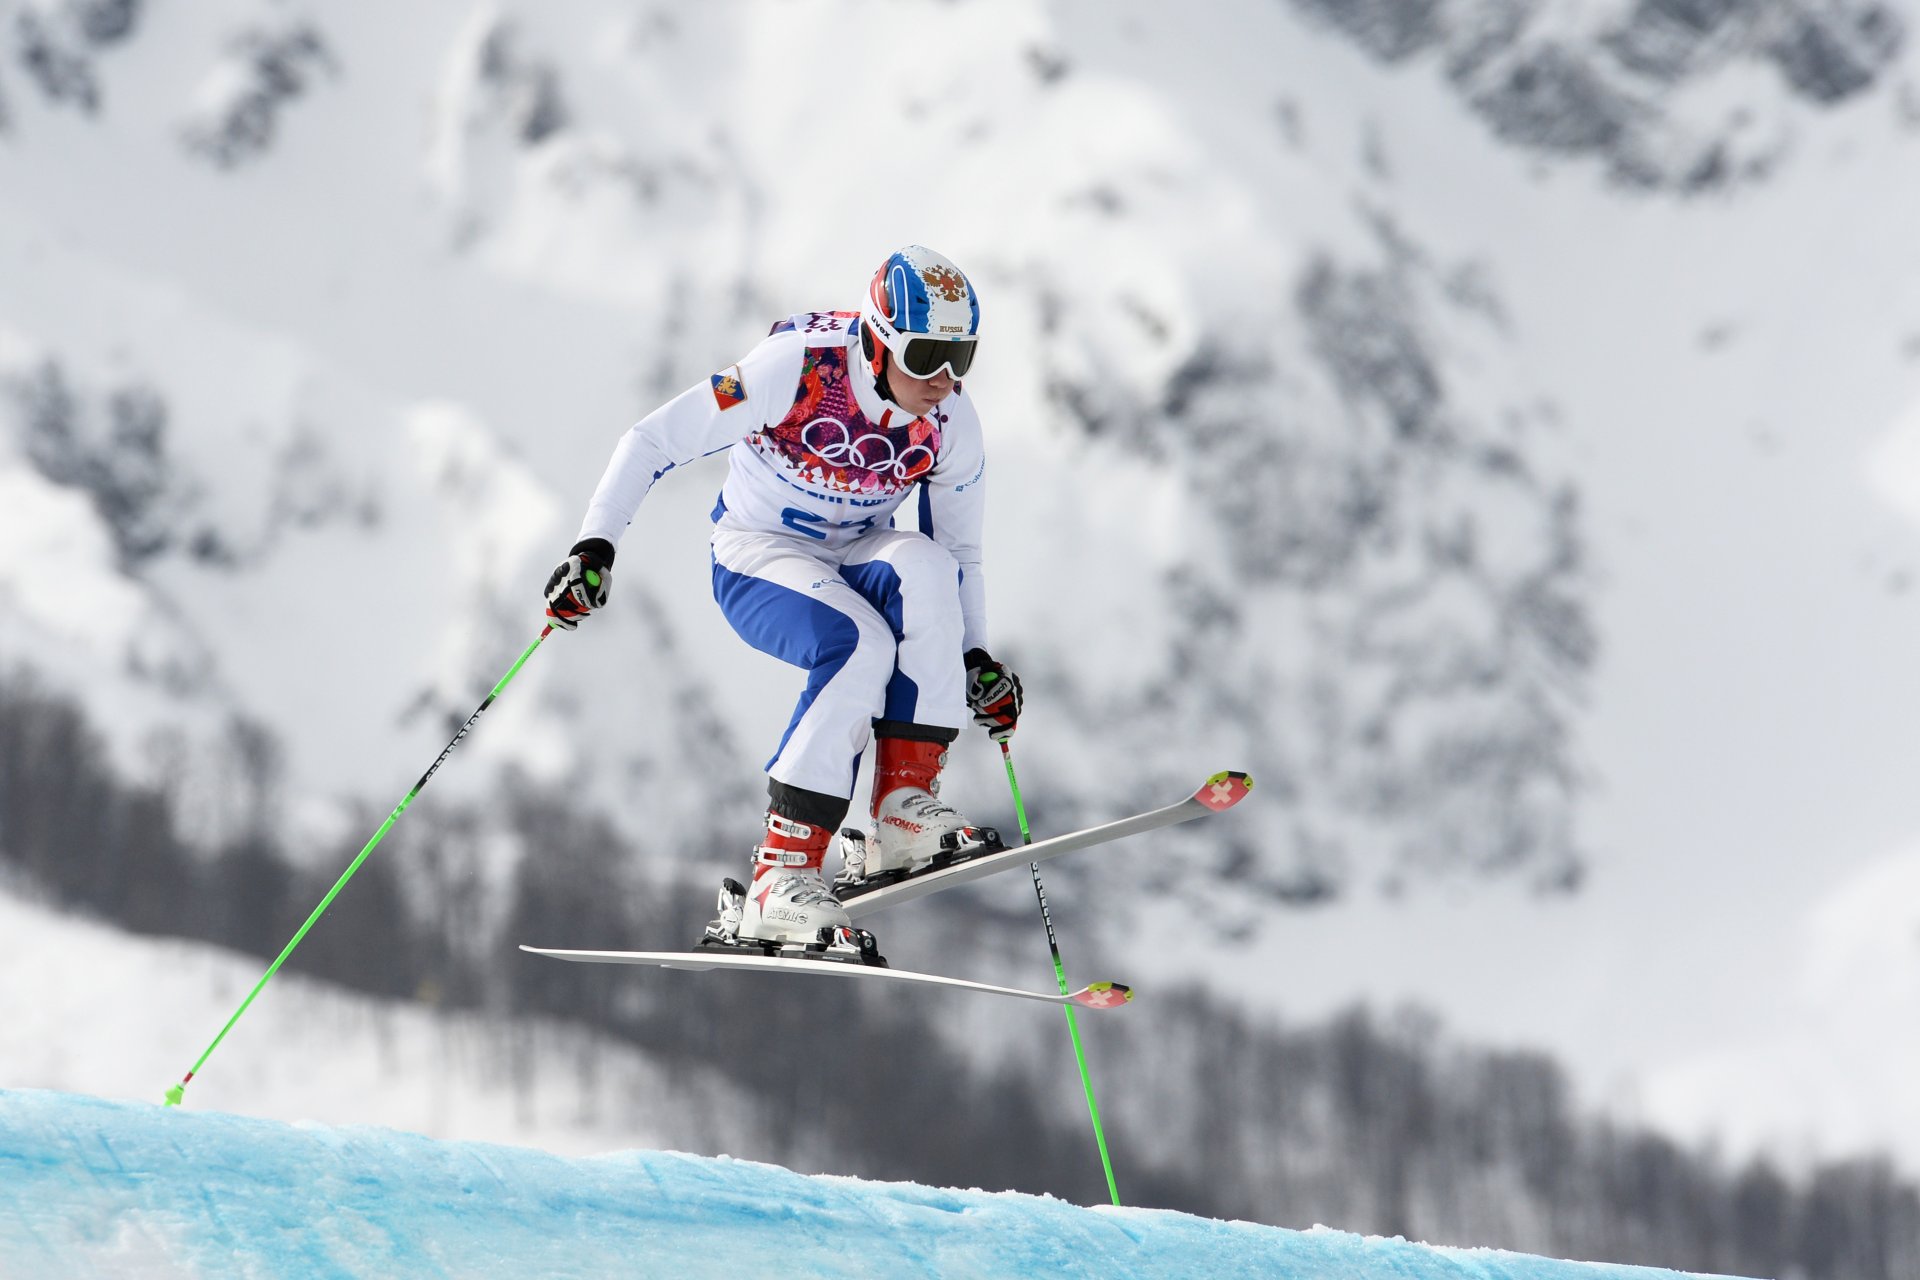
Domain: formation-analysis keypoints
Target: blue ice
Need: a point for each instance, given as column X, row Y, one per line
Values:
column 115, row 1189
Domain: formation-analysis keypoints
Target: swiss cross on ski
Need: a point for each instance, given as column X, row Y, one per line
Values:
column 830, row 425
column 1224, row 790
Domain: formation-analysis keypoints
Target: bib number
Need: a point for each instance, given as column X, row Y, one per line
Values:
column 814, row 526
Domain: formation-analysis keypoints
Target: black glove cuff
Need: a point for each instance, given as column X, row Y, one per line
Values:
column 599, row 548
column 977, row 658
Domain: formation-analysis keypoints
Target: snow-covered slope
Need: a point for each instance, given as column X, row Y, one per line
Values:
column 1471, row 417
column 92, row 1010
column 115, row 1189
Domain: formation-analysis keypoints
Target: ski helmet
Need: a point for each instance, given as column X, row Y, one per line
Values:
column 923, row 309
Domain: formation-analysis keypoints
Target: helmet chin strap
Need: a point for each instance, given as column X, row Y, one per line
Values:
column 876, row 357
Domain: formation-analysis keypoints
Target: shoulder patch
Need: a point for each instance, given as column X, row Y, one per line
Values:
column 728, row 390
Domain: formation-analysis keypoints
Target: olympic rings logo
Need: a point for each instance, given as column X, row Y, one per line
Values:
column 865, row 451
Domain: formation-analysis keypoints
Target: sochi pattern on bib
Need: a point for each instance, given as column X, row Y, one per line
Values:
column 832, row 446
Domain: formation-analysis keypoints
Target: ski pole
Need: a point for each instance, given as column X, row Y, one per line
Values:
column 178, row 1091
column 1060, row 976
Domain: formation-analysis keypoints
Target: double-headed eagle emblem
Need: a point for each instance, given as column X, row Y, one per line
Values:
column 946, row 282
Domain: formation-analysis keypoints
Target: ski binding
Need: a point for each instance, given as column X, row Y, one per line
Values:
column 955, row 847
column 841, row 946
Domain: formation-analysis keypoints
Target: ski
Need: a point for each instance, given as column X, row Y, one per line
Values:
column 1216, row 795
column 1099, row 995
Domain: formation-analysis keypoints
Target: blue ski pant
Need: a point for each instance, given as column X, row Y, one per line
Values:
column 876, row 626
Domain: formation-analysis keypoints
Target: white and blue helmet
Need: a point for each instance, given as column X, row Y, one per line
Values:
column 923, row 309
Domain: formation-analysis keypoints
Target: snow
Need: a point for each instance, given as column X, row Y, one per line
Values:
column 91, row 1009
column 99, row 1188
column 1750, row 505
column 43, row 525
column 1853, row 998
column 397, row 294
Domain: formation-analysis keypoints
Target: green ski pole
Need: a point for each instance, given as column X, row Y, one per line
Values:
column 178, row 1091
column 1060, row 976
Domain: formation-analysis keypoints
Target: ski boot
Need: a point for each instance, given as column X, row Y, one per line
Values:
column 913, row 829
column 788, row 910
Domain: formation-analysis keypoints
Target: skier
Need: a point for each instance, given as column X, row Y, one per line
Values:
column 830, row 423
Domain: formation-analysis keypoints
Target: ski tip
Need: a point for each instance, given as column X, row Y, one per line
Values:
column 1103, row 995
column 1224, row 790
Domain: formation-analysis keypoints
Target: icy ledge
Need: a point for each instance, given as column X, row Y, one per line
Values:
column 96, row 1188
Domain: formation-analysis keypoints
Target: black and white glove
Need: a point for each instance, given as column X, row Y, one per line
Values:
column 580, row 583
column 993, row 694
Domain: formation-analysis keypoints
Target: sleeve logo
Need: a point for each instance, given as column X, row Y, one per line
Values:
column 728, row 390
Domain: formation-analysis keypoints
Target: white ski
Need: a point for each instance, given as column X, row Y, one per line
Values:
column 1220, row 792
column 1100, row 995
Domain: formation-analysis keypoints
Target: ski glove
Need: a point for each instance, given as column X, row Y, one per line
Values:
column 580, row 583
column 993, row 694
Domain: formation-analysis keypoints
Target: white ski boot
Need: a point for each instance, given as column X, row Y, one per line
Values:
column 789, row 900
column 912, row 827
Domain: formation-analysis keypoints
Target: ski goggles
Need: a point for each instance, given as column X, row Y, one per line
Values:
column 922, row 358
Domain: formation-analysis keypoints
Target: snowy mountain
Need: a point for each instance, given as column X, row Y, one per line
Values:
column 1283, row 493
column 1690, row 97
column 1480, row 420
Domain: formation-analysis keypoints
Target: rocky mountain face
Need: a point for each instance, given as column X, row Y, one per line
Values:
column 1387, row 605
column 1638, row 87
column 1374, row 597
